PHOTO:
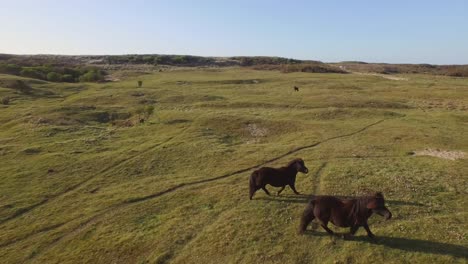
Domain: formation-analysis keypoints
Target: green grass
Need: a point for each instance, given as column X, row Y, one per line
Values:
column 156, row 192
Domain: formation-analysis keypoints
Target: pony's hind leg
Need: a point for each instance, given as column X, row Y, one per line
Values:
column 351, row 233
column 306, row 218
column 282, row 188
column 325, row 226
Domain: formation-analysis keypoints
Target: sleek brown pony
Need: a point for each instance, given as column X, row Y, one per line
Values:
column 278, row 177
column 351, row 213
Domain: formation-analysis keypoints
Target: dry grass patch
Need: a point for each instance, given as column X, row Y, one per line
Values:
column 443, row 154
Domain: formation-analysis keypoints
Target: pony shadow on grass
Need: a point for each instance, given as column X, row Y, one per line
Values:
column 305, row 198
column 418, row 245
column 396, row 203
column 406, row 244
column 300, row 198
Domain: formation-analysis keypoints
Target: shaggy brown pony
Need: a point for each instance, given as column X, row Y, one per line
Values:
column 277, row 177
column 351, row 213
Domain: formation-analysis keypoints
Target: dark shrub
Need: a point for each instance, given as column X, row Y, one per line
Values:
column 180, row 59
column 457, row 71
column 389, row 70
column 6, row 100
column 20, row 86
column 68, row 78
column 91, row 76
column 119, row 115
column 32, row 73
column 94, row 116
column 54, row 77
column 149, row 110
column 10, row 69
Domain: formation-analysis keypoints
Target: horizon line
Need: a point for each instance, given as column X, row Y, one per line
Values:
column 234, row 56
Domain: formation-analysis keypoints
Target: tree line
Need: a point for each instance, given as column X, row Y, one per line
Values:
column 55, row 73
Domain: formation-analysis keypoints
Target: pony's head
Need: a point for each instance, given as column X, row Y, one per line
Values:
column 376, row 203
column 299, row 165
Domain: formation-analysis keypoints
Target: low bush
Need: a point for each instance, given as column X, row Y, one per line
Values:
column 5, row 100
column 53, row 73
column 18, row 85
column 32, row 72
column 54, row 77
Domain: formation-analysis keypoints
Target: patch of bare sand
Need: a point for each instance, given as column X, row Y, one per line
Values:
column 256, row 132
column 385, row 76
column 443, row 154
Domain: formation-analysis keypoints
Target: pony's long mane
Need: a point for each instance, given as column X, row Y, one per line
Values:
column 358, row 210
column 292, row 162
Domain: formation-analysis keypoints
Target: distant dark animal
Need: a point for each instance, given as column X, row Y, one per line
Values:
column 50, row 171
column 279, row 177
column 351, row 213
column 142, row 120
column 296, row 88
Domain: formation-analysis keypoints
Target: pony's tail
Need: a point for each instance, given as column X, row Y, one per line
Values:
column 252, row 185
column 307, row 217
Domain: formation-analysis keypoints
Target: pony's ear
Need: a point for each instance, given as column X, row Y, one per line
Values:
column 297, row 163
column 378, row 195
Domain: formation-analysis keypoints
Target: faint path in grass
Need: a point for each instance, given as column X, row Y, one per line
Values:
column 120, row 163
column 74, row 187
column 213, row 220
column 317, row 178
column 157, row 194
column 24, row 237
column 22, row 211
column 132, row 201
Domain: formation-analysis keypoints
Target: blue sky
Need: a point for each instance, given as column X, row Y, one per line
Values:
column 374, row 31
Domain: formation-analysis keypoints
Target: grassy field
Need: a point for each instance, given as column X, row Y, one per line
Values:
column 75, row 188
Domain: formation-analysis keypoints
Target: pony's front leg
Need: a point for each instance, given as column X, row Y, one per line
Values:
column 293, row 188
column 353, row 230
column 369, row 233
column 351, row 233
column 282, row 188
column 266, row 191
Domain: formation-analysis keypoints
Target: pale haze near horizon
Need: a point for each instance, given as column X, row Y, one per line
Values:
column 374, row 31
